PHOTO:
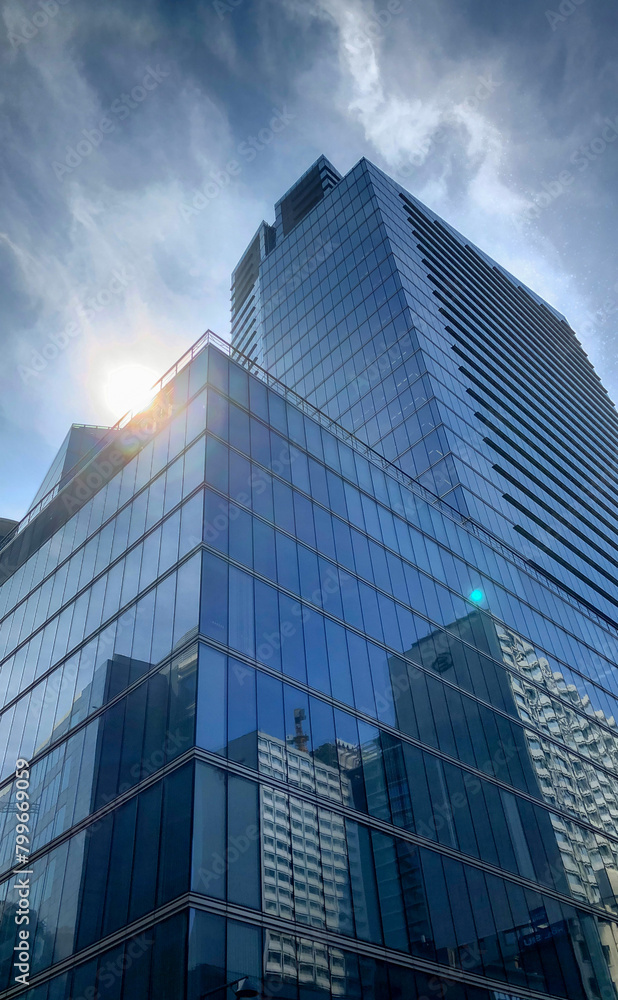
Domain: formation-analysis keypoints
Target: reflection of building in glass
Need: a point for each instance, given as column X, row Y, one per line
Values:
column 590, row 860
column 304, row 851
column 304, row 856
column 473, row 646
column 203, row 624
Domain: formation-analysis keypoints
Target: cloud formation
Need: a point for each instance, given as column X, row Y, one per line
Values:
column 121, row 217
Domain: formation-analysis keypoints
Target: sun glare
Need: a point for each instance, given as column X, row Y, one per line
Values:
column 128, row 387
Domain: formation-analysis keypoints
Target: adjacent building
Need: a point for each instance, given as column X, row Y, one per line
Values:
column 311, row 664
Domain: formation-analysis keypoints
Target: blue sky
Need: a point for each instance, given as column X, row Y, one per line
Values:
column 120, row 219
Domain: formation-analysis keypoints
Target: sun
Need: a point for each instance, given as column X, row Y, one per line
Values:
column 128, row 387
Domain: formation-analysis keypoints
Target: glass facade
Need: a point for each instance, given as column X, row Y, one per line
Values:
column 301, row 689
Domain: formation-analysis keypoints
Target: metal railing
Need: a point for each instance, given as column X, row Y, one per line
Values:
column 408, row 482
column 111, row 434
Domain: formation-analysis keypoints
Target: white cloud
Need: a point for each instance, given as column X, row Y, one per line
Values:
column 356, row 86
column 443, row 129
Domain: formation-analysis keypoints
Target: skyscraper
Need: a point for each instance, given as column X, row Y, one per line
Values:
column 310, row 665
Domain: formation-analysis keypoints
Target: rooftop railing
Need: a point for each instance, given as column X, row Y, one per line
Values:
column 111, row 434
column 471, row 525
